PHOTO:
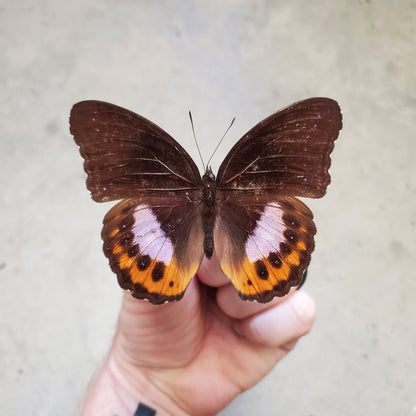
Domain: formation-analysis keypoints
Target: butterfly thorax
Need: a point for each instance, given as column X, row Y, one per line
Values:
column 208, row 211
column 209, row 185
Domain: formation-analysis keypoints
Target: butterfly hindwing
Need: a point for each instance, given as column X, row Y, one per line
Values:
column 265, row 245
column 127, row 155
column 154, row 246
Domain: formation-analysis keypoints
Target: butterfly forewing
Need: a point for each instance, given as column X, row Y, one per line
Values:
column 287, row 153
column 127, row 155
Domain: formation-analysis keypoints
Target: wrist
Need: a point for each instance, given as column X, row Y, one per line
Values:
column 120, row 386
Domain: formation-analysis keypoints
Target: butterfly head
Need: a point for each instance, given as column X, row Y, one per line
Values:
column 208, row 175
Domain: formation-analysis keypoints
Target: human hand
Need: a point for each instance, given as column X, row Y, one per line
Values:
column 193, row 357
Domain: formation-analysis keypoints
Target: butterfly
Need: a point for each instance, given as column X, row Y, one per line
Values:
column 170, row 217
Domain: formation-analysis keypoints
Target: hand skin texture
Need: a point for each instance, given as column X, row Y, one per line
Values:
column 193, row 357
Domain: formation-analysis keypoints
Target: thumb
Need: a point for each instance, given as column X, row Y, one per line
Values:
column 285, row 322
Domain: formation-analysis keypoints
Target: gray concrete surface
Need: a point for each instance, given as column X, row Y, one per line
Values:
column 58, row 298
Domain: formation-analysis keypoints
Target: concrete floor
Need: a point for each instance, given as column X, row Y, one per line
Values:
column 58, row 297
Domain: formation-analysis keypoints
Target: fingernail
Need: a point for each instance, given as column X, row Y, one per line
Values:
column 304, row 307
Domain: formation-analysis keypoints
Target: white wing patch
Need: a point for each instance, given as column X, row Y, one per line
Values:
column 267, row 235
column 149, row 236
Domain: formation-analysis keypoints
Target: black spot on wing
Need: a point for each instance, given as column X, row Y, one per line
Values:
column 126, row 240
column 285, row 249
column 275, row 260
column 133, row 250
column 261, row 270
column 158, row 271
column 126, row 223
column 143, row 262
column 291, row 236
column 291, row 220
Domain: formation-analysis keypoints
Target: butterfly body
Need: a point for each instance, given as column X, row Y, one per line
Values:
column 170, row 217
column 208, row 211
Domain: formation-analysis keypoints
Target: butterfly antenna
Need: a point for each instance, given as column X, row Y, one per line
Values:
column 196, row 141
column 222, row 138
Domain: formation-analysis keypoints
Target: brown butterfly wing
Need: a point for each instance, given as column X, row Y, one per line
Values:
column 263, row 235
column 127, row 155
column 153, row 238
column 287, row 153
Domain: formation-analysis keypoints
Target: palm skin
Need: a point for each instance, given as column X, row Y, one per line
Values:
column 195, row 356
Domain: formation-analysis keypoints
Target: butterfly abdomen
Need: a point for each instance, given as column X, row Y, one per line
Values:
column 208, row 220
column 208, row 211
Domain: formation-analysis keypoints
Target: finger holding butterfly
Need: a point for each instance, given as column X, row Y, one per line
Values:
column 273, row 324
column 227, row 297
column 233, row 306
column 278, row 326
column 210, row 274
